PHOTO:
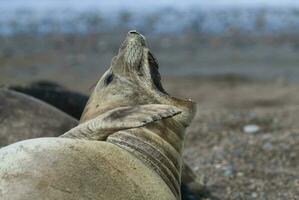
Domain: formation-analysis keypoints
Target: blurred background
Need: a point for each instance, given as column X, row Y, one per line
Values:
column 238, row 59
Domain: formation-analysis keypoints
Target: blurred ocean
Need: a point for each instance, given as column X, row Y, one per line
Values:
column 147, row 5
column 256, row 39
column 212, row 17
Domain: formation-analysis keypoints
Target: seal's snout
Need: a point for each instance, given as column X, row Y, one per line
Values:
column 134, row 36
column 133, row 32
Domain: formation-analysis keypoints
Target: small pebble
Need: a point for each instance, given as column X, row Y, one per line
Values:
column 240, row 174
column 218, row 166
column 251, row 128
column 254, row 195
column 268, row 146
column 228, row 170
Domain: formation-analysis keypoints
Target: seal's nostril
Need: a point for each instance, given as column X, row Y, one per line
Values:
column 133, row 32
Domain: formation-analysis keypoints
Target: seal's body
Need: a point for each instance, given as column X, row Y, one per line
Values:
column 71, row 103
column 128, row 145
column 68, row 169
column 23, row 117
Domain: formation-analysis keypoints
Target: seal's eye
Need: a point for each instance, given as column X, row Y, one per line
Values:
column 108, row 79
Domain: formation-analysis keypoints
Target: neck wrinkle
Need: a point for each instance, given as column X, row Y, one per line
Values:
column 153, row 147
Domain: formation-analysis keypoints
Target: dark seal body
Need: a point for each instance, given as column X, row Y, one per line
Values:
column 24, row 117
column 56, row 95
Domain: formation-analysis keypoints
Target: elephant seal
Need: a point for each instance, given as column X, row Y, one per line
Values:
column 73, row 103
column 128, row 145
column 24, row 117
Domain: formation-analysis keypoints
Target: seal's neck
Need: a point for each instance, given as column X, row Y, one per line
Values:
column 159, row 145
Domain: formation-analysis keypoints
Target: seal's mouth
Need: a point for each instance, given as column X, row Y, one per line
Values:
column 131, row 51
column 136, row 62
column 133, row 35
column 133, row 78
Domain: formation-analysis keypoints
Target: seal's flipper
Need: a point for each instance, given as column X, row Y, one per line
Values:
column 121, row 118
column 195, row 184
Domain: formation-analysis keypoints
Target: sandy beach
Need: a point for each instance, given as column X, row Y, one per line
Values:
column 244, row 140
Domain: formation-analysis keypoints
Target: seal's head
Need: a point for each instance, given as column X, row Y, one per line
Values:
column 133, row 79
